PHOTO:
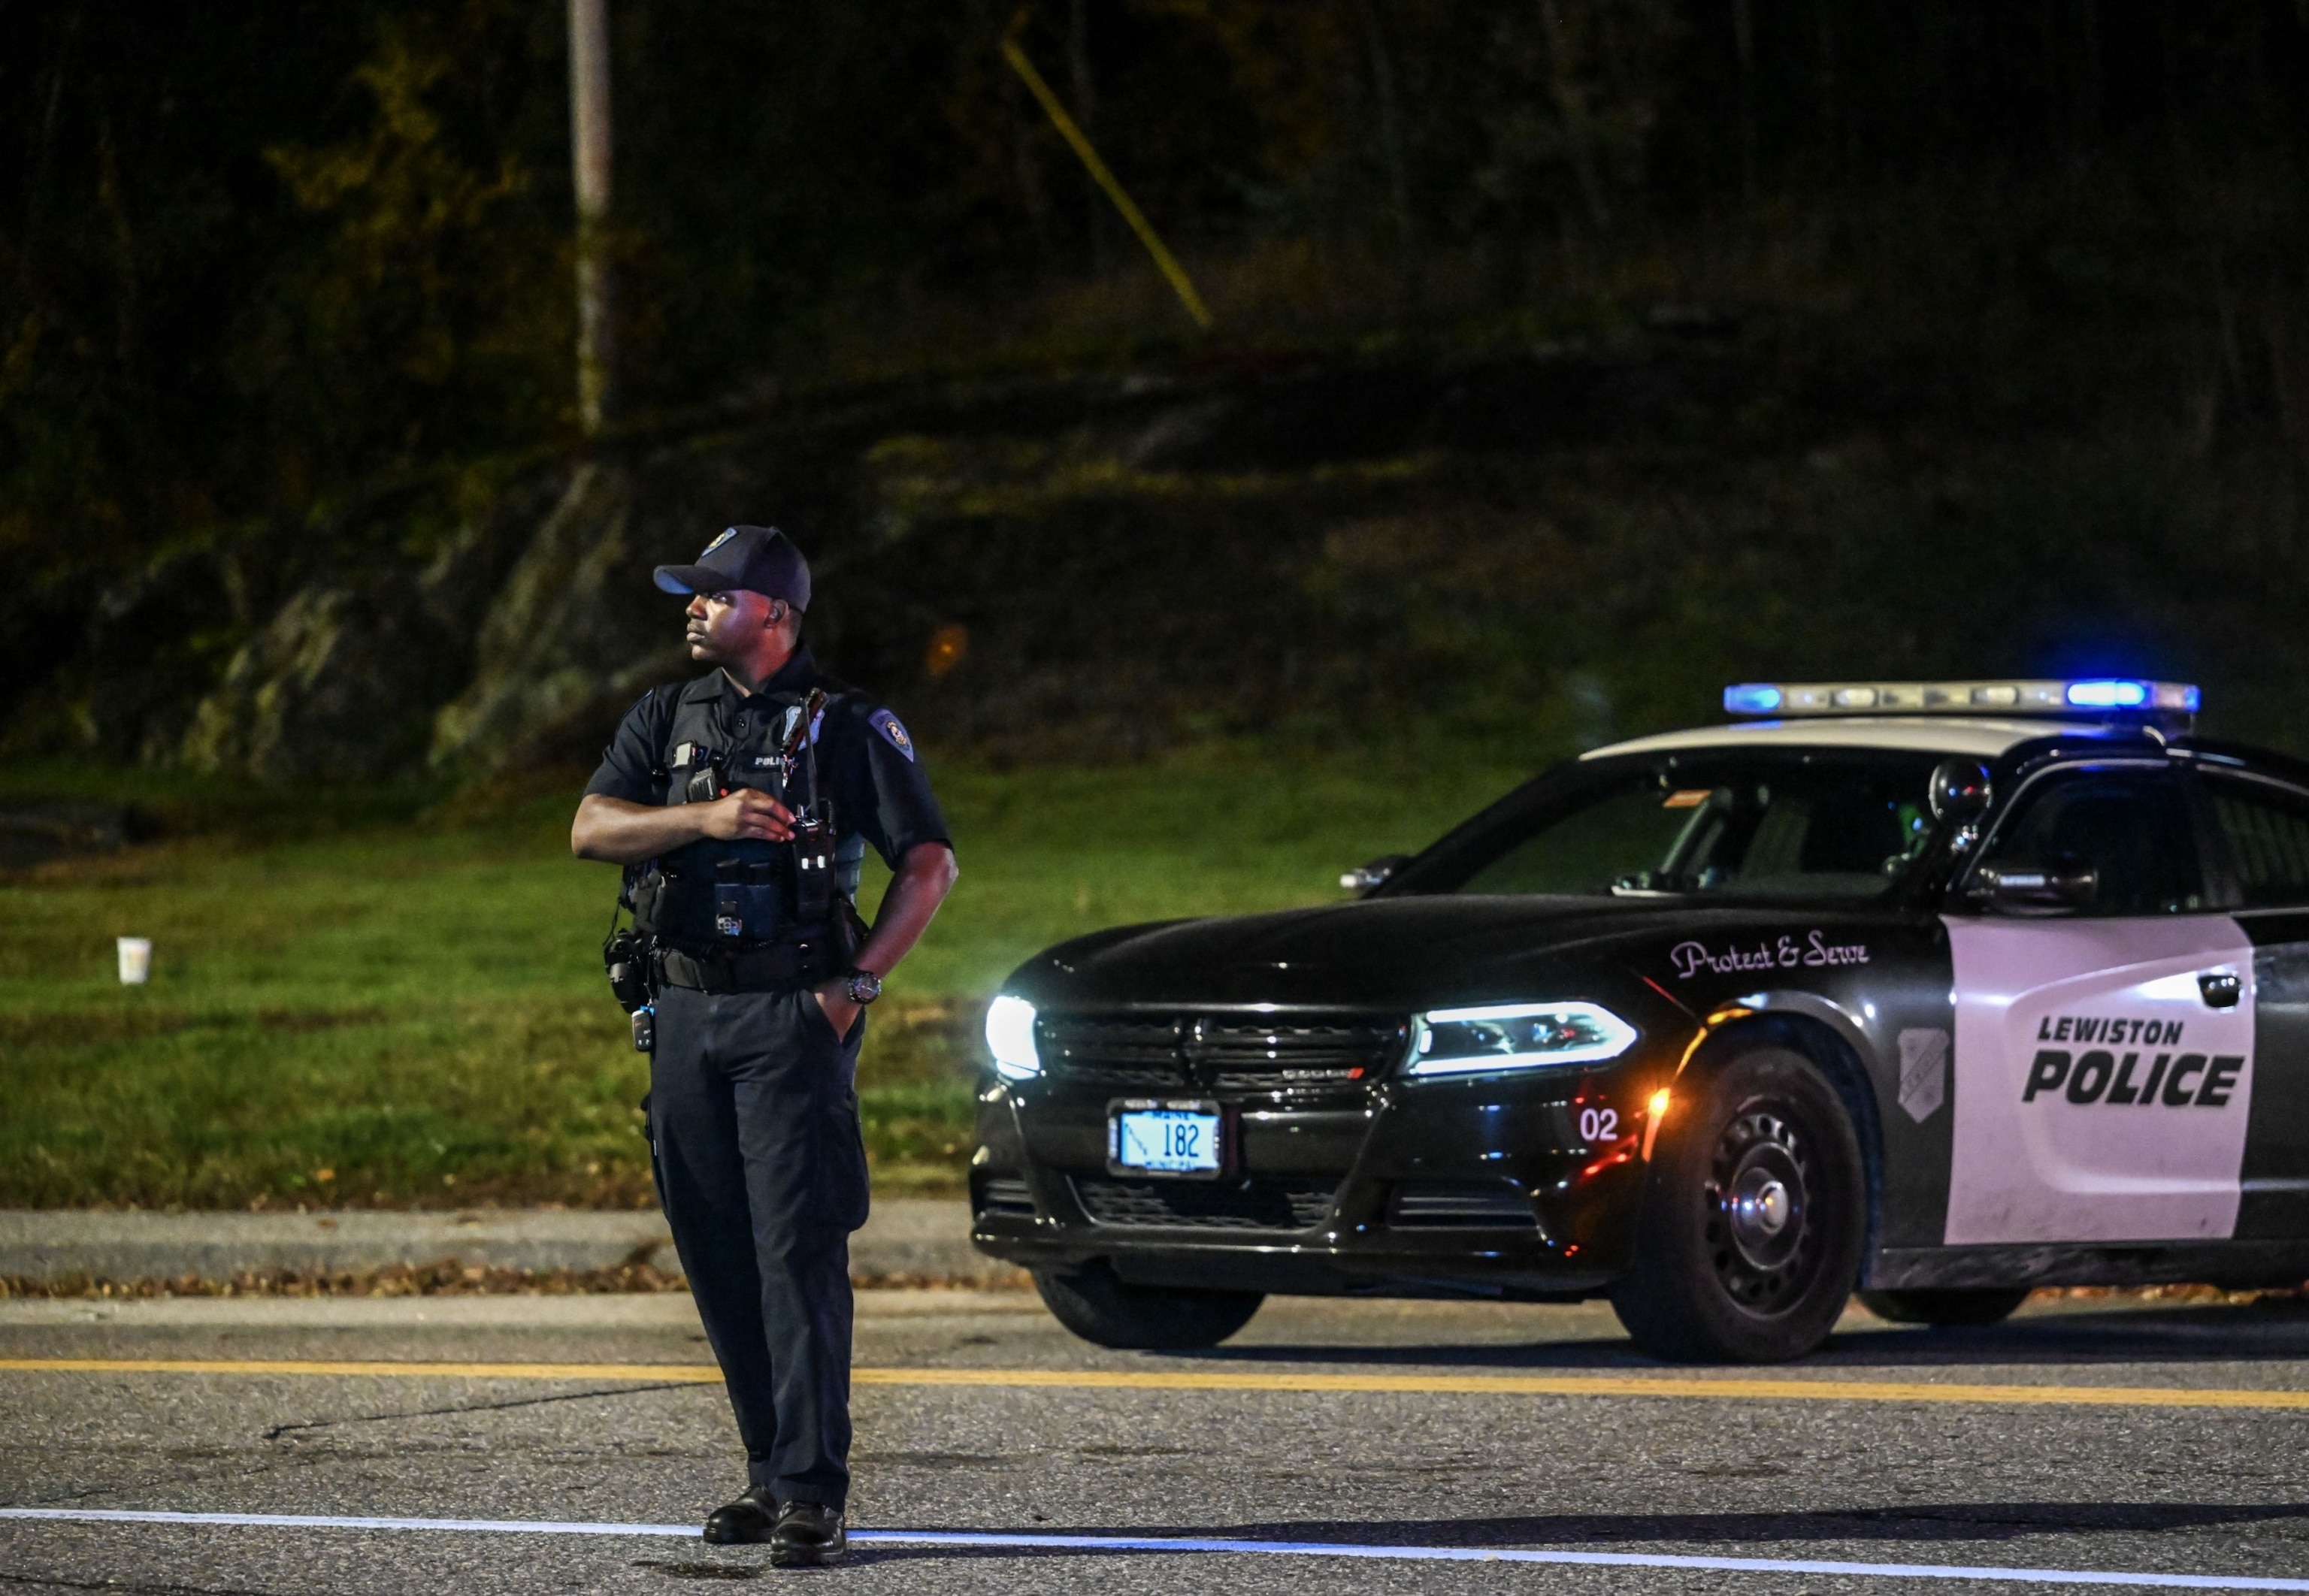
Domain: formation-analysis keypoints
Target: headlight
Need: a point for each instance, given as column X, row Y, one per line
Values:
column 1513, row 1036
column 1011, row 1038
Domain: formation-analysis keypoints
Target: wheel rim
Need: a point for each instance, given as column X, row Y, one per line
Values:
column 1761, row 1237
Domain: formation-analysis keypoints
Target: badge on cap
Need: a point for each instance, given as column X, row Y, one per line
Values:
column 886, row 723
column 718, row 542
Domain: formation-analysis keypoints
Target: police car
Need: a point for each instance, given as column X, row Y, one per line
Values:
column 1937, row 991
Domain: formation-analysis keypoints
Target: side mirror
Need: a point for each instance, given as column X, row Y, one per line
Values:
column 1960, row 790
column 2063, row 884
column 1363, row 877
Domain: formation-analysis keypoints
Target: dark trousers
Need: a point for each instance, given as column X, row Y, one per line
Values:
column 761, row 1170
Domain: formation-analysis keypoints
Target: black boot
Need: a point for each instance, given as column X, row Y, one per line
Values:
column 745, row 1521
column 807, row 1533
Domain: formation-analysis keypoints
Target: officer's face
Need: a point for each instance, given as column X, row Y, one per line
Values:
column 725, row 629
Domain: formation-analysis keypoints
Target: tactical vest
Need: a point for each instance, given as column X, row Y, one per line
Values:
column 710, row 893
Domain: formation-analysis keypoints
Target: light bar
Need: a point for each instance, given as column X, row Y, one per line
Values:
column 2065, row 696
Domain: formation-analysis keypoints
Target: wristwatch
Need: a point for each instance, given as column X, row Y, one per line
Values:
column 863, row 986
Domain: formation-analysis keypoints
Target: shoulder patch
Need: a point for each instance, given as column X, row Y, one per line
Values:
column 886, row 723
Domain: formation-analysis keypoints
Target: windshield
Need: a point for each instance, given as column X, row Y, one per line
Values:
column 1766, row 822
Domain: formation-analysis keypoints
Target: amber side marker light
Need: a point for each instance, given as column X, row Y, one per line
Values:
column 1655, row 1111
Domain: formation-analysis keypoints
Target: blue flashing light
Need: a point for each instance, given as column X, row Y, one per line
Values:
column 2191, row 700
column 1751, row 698
column 2108, row 694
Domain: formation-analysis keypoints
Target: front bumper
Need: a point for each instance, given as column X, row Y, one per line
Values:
column 1520, row 1184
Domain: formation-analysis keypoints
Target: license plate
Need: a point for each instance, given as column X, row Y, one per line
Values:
column 1157, row 1138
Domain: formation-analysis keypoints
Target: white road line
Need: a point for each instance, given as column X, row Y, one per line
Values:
column 318, row 1521
column 1005, row 1541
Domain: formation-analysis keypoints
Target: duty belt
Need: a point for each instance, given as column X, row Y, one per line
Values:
column 746, row 969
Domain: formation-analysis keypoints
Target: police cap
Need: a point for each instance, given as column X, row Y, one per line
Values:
column 758, row 559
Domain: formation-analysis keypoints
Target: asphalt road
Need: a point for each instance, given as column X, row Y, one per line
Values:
column 1384, row 1439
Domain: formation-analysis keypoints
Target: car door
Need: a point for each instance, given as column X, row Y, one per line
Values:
column 2104, row 1056
column 2261, row 829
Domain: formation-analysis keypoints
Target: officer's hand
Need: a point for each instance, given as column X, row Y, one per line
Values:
column 748, row 812
column 834, row 1001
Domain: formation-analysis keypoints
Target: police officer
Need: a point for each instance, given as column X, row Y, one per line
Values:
column 741, row 804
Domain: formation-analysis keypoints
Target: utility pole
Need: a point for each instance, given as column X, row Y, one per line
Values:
column 1743, row 42
column 589, row 154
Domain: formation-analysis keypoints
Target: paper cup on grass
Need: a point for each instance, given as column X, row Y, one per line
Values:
column 135, row 960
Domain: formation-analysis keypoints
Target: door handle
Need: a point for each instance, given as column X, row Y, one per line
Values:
column 2222, row 988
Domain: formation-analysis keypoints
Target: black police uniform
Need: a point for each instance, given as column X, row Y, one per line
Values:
column 754, row 1130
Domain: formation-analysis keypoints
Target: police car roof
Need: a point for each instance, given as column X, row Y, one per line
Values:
column 1982, row 737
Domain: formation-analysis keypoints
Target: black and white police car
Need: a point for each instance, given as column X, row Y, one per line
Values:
column 1940, row 991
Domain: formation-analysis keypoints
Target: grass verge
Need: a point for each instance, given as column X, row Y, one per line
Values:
column 409, row 1011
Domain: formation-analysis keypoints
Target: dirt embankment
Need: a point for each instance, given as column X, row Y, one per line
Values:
column 1541, row 548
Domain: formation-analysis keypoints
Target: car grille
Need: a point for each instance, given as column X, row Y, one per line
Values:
column 1271, row 1205
column 1005, row 1195
column 1418, row 1207
column 1222, row 1052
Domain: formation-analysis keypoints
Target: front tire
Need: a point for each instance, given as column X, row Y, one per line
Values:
column 1987, row 1304
column 1098, row 1306
column 1754, row 1219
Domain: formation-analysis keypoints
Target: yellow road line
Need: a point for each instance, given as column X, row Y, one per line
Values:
column 1750, row 1390
column 699, row 1374
column 1690, row 1387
